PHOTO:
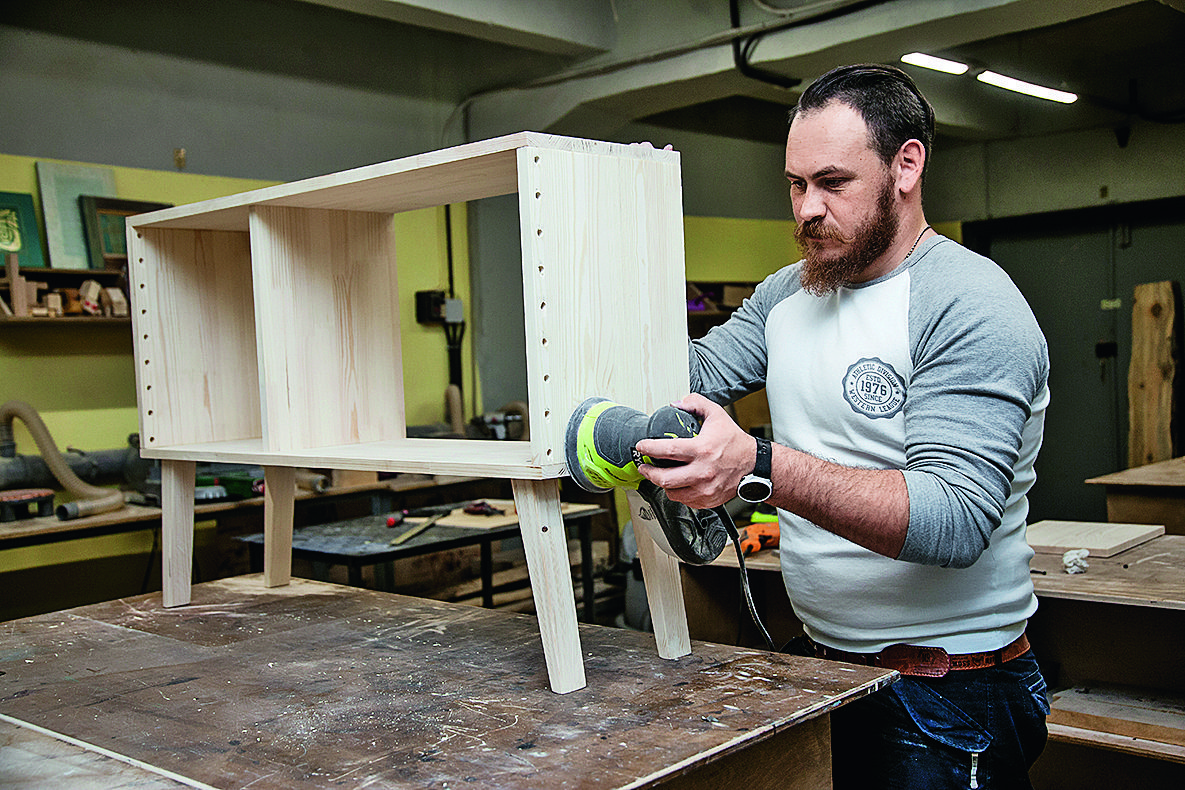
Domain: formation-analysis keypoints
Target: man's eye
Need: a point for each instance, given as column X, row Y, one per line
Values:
column 797, row 186
column 835, row 183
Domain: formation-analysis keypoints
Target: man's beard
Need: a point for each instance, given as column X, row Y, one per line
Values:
column 822, row 276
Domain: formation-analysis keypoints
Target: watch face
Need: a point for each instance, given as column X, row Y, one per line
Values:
column 754, row 489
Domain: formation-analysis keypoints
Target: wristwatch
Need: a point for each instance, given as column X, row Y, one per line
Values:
column 757, row 485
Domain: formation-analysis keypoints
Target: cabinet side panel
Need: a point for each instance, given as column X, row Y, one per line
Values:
column 194, row 321
column 328, row 310
column 603, row 284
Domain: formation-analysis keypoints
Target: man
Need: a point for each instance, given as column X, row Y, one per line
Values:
column 906, row 378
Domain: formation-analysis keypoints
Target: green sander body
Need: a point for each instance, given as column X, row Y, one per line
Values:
column 601, row 438
column 600, row 448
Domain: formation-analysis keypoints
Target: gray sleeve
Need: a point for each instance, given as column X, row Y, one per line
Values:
column 730, row 361
column 980, row 362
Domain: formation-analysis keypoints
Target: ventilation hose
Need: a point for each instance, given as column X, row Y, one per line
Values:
column 90, row 499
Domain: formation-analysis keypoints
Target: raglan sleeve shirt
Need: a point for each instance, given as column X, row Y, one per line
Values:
column 937, row 369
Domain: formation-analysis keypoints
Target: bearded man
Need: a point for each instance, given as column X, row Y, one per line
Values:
column 907, row 384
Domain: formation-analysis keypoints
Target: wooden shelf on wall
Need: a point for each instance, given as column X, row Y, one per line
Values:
column 53, row 280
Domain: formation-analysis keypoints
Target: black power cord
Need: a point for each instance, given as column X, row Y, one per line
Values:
column 746, row 593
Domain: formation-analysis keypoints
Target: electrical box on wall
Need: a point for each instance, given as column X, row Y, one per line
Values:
column 430, row 307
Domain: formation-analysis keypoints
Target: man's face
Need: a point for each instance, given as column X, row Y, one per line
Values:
column 844, row 198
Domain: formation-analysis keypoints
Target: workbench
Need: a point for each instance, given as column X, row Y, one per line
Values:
column 314, row 685
column 1119, row 625
column 1150, row 494
column 131, row 517
column 361, row 542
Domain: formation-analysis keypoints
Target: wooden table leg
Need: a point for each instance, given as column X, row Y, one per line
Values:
column 664, row 589
column 279, row 496
column 546, row 544
column 176, row 530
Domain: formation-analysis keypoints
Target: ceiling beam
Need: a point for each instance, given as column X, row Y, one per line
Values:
column 581, row 29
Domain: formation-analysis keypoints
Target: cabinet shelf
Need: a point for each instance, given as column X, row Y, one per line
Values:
column 472, row 457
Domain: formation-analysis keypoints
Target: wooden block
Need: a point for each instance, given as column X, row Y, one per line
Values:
column 1153, row 374
column 1133, row 713
column 342, row 478
column 1102, row 539
column 16, row 286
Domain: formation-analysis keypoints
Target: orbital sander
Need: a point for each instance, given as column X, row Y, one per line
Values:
column 600, row 447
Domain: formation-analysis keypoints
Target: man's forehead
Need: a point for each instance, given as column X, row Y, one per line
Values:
column 834, row 136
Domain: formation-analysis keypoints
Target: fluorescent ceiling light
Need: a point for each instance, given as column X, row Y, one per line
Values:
column 1027, row 88
column 931, row 62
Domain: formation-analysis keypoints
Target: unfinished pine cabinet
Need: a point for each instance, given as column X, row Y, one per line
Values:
column 267, row 332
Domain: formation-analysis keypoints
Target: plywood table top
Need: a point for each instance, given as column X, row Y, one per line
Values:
column 1151, row 574
column 318, row 685
column 1169, row 473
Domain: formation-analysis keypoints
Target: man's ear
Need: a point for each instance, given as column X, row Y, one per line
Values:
column 908, row 166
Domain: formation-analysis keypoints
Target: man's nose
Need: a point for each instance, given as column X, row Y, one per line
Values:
column 810, row 205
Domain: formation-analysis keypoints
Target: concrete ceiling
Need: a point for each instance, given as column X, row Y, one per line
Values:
column 592, row 67
column 671, row 62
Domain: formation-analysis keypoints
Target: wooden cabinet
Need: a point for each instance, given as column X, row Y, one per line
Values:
column 267, row 332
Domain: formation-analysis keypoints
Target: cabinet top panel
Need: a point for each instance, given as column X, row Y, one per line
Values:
column 451, row 175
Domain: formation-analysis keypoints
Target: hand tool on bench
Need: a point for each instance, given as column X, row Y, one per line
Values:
column 403, row 537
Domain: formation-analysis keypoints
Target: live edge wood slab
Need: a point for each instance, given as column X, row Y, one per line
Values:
column 315, row 685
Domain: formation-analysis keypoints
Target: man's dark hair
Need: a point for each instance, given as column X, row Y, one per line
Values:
column 885, row 96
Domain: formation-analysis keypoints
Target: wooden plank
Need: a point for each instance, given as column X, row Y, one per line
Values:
column 1102, row 539
column 1136, row 713
column 327, row 310
column 545, row 543
column 1117, row 743
column 470, row 457
column 195, row 359
column 1163, row 474
column 176, row 531
column 1149, row 575
column 279, row 496
column 509, row 514
column 1153, row 375
column 602, row 262
column 35, row 757
column 452, row 175
column 313, row 685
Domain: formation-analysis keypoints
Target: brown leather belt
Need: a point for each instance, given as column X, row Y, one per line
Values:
column 922, row 661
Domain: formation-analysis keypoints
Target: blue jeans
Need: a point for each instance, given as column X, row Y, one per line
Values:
column 975, row 728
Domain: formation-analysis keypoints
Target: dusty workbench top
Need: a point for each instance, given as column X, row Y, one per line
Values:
column 318, row 685
column 1151, row 574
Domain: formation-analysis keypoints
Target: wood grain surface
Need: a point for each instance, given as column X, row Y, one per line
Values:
column 315, row 685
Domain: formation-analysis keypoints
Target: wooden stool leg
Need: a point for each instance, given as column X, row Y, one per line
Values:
column 546, row 545
column 279, row 495
column 176, row 530
column 664, row 588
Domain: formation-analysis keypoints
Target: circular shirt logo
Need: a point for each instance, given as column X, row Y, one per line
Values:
column 872, row 388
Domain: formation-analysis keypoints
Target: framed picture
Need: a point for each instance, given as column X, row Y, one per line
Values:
column 61, row 184
column 18, row 230
column 103, row 223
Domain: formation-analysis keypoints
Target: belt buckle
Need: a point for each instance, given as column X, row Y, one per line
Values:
column 916, row 660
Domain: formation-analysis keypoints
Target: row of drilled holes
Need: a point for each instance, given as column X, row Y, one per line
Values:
column 144, row 311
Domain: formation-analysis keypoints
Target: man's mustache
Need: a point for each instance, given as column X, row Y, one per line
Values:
column 816, row 230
